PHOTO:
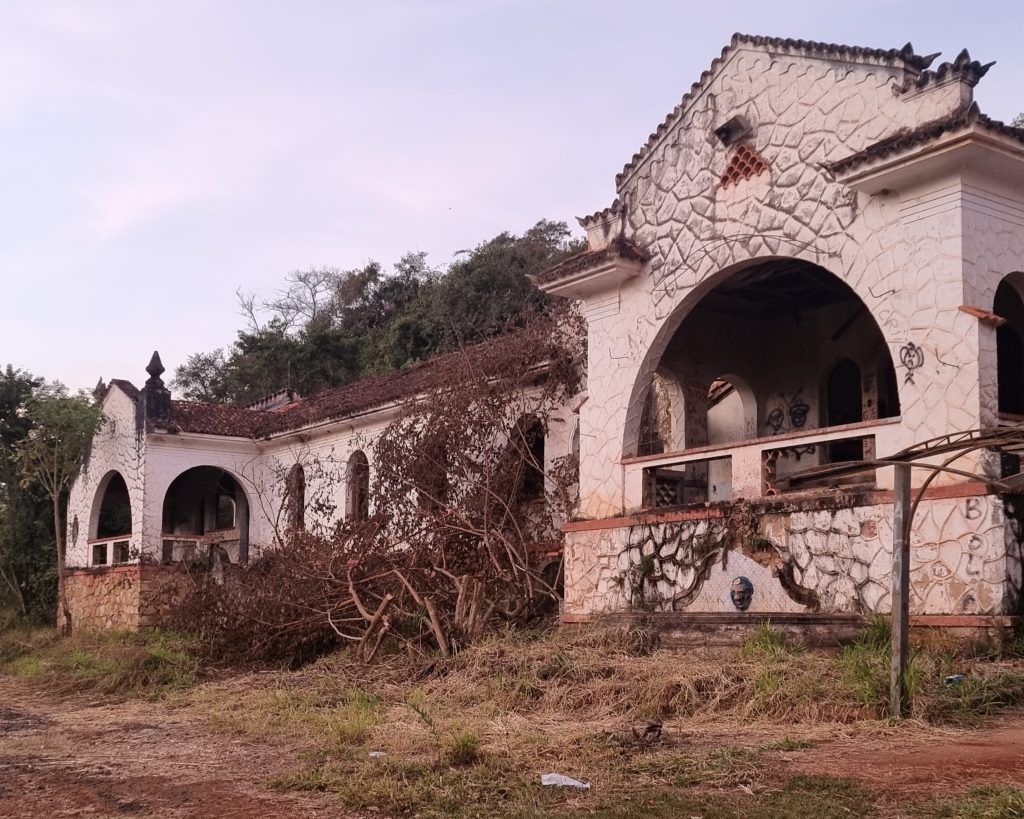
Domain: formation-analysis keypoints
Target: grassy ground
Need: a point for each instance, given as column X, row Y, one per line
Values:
column 656, row 733
column 151, row 664
column 472, row 735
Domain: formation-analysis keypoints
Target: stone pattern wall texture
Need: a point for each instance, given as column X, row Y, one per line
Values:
column 965, row 559
column 805, row 111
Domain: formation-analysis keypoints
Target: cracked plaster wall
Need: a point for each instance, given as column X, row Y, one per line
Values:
column 965, row 559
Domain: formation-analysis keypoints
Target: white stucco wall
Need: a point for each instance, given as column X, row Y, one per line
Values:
column 117, row 447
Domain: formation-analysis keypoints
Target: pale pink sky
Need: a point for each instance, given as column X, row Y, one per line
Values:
column 157, row 155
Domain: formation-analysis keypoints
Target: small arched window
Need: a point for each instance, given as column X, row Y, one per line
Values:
column 358, row 495
column 1010, row 350
column 529, row 442
column 295, row 497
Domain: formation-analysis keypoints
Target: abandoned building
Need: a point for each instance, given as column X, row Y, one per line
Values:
column 818, row 257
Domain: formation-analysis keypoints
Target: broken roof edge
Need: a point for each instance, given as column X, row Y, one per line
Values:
column 904, row 58
column 333, row 405
column 909, row 138
column 620, row 247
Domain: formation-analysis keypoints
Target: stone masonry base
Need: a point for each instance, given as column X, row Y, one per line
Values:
column 130, row 597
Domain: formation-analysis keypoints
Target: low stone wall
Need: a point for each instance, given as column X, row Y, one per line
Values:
column 123, row 597
column 824, row 555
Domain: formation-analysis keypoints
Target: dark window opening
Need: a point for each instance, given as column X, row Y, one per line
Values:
column 531, row 435
column 99, row 554
column 888, row 390
column 121, row 552
column 1009, row 350
column 844, row 405
column 1010, row 365
column 225, row 512
column 358, row 486
column 115, row 516
column 295, row 497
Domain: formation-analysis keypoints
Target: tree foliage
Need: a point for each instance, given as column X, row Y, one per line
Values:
column 27, row 577
column 50, row 456
column 326, row 327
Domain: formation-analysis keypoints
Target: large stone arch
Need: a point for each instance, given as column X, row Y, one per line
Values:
column 818, row 296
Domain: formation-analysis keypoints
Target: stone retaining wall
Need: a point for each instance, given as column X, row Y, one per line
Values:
column 124, row 597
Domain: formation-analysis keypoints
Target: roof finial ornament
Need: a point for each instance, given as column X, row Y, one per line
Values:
column 99, row 390
column 155, row 368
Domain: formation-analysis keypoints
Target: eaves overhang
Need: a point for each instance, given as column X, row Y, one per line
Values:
column 972, row 150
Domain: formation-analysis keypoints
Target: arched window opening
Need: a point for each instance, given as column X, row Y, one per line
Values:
column 115, row 510
column 205, row 510
column 295, row 497
column 656, row 420
column 529, row 442
column 1010, row 350
column 431, row 478
column 111, row 527
column 358, row 500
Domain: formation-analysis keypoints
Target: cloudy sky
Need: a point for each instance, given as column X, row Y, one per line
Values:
column 155, row 156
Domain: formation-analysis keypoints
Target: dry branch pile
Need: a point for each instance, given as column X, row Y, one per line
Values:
column 463, row 501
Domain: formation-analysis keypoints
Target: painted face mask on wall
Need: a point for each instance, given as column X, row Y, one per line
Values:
column 741, row 593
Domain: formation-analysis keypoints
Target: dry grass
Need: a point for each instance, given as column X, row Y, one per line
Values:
column 471, row 735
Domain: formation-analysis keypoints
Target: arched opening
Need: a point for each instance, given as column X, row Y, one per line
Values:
column 205, row 512
column 295, row 498
column 111, row 526
column 755, row 356
column 1010, row 349
column 358, row 500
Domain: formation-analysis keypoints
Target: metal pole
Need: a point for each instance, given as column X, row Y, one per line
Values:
column 899, row 698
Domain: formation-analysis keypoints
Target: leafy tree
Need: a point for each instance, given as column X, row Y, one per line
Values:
column 50, row 456
column 26, row 572
column 1018, row 121
column 326, row 327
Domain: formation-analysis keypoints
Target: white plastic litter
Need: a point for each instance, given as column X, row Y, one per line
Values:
column 561, row 781
column 377, row 754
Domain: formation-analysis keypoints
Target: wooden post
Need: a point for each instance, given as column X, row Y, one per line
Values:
column 899, row 698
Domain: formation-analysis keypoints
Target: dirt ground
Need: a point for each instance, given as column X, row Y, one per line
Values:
column 81, row 756
column 78, row 756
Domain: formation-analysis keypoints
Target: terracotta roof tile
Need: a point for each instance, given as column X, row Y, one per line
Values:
column 912, row 137
column 217, row 419
column 620, row 248
column 899, row 57
column 334, row 404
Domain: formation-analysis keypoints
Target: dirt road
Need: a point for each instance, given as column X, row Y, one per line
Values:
column 80, row 756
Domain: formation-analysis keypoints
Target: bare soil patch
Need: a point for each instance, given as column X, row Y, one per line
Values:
column 79, row 756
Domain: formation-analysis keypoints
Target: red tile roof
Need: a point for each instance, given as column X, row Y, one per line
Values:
column 334, row 404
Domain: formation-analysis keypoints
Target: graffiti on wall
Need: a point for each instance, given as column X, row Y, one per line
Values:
column 912, row 359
